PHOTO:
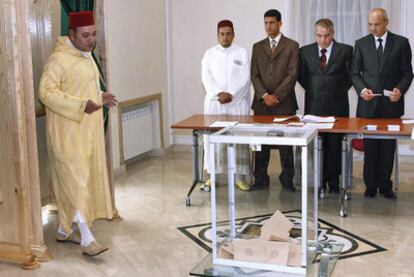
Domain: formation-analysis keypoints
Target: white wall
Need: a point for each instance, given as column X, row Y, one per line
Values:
column 192, row 27
column 137, row 55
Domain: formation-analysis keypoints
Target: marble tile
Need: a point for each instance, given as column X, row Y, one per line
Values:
column 151, row 198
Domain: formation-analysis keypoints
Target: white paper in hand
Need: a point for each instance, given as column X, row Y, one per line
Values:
column 387, row 92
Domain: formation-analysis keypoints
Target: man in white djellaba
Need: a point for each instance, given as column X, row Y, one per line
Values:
column 226, row 80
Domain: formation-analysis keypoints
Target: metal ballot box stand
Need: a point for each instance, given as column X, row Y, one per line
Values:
column 254, row 136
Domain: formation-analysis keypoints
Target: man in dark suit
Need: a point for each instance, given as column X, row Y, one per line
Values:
column 381, row 61
column 325, row 74
column 274, row 73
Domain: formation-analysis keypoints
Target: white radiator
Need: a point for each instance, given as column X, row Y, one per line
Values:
column 139, row 130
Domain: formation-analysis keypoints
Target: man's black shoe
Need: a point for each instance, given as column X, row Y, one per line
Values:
column 389, row 195
column 370, row 194
column 381, row 192
column 334, row 189
column 260, row 182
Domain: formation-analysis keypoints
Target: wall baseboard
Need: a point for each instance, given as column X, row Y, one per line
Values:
column 119, row 172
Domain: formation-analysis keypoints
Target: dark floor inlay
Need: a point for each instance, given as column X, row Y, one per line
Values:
column 354, row 245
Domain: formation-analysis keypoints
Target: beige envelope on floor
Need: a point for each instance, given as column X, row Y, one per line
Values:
column 295, row 255
column 228, row 246
column 261, row 251
column 226, row 251
column 252, row 250
column 273, row 233
column 276, row 228
column 277, row 252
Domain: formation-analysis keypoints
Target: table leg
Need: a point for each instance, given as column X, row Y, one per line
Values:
column 304, row 222
column 396, row 168
column 196, row 169
column 349, row 169
column 211, row 149
column 316, row 184
column 297, row 163
column 320, row 155
column 343, row 211
column 230, row 176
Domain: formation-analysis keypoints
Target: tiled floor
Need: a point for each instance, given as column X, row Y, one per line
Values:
column 150, row 197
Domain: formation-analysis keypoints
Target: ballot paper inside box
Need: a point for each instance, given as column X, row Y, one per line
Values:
column 277, row 244
column 276, row 228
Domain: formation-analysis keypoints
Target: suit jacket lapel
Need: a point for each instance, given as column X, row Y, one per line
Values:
column 373, row 50
column 266, row 47
column 279, row 48
column 332, row 56
column 388, row 47
column 315, row 57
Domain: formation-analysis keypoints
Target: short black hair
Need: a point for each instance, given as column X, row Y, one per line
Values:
column 273, row 13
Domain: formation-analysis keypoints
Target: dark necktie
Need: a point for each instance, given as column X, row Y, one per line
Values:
column 380, row 49
column 323, row 59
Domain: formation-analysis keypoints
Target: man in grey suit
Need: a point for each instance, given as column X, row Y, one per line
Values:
column 381, row 61
column 274, row 73
column 325, row 74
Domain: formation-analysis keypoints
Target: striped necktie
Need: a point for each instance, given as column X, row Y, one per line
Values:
column 273, row 46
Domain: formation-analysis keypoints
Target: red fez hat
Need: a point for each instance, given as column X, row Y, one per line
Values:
column 80, row 19
column 225, row 23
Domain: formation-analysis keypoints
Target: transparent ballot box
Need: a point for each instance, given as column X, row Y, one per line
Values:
column 275, row 242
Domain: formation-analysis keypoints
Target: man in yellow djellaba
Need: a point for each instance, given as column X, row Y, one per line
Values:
column 69, row 88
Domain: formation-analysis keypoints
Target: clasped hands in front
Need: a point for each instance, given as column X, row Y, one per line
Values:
column 108, row 100
column 394, row 96
column 270, row 100
column 224, row 97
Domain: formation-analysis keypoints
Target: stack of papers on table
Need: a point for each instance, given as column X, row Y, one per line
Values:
column 307, row 118
column 281, row 119
column 223, row 124
column 393, row 128
column 318, row 119
column 408, row 121
column 319, row 125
